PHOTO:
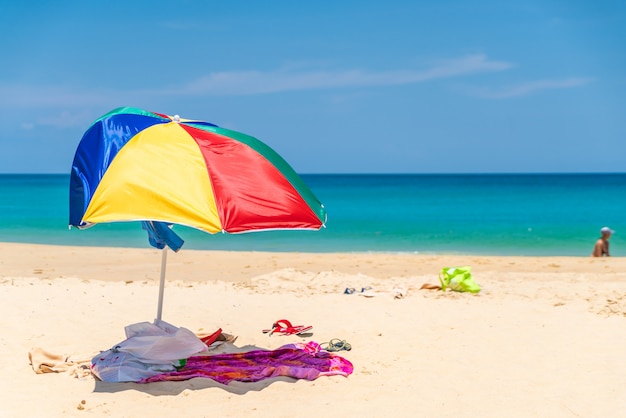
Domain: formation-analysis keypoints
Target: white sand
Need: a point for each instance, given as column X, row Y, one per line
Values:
column 544, row 338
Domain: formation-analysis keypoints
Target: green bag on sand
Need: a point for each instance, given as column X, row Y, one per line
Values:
column 458, row 279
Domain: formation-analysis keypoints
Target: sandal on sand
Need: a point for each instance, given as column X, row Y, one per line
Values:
column 210, row 339
column 284, row 327
column 336, row 345
column 217, row 338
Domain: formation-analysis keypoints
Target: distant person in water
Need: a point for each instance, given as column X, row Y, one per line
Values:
column 601, row 248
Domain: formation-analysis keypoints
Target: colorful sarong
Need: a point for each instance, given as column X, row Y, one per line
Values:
column 300, row 361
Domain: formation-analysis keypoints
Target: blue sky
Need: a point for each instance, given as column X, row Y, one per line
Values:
column 333, row 86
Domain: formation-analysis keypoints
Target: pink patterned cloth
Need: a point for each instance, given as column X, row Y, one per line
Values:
column 300, row 361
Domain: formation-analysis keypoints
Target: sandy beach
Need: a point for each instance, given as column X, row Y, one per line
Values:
column 544, row 337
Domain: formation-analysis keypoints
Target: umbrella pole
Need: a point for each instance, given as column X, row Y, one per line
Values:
column 162, row 284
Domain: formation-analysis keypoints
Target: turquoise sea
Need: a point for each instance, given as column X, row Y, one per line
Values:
column 487, row 214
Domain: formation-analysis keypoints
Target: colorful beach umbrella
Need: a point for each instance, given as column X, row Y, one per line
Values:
column 136, row 165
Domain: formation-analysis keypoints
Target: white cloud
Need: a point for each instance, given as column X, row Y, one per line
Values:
column 258, row 82
column 290, row 78
column 528, row 88
column 61, row 120
column 66, row 119
column 45, row 96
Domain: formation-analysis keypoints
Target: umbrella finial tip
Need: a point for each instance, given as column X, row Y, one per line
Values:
column 176, row 118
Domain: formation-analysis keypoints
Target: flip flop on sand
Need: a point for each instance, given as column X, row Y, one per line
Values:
column 336, row 345
column 217, row 338
column 284, row 327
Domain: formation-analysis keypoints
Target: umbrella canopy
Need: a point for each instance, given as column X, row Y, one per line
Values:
column 136, row 165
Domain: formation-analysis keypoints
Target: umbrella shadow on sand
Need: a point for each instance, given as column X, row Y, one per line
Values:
column 169, row 388
column 198, row 383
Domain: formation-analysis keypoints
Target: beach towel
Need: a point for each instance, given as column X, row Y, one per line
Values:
column 299, row 361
